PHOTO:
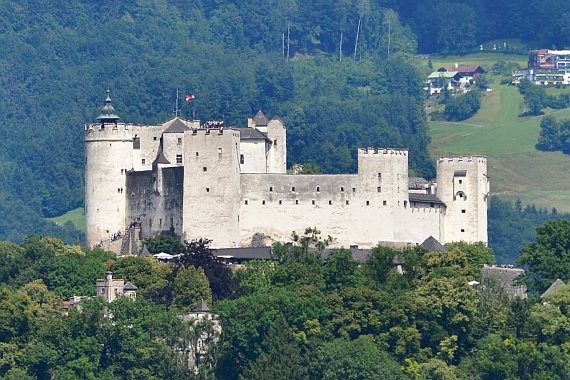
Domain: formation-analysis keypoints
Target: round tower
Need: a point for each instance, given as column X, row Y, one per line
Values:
column 108, row 157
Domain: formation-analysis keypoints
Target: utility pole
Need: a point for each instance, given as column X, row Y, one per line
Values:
column 288, row 39
column 357, row 35
column 340, row 49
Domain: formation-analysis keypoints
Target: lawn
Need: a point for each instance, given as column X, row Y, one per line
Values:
column 76, row 216
column 516, row 168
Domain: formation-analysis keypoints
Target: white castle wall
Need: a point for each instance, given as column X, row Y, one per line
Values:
column 463, row 186
column 254, row 156
column 277, row 155
column 211, row 186
column 149, row 136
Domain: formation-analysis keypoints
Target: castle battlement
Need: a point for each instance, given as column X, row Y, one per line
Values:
column 462, row 159
column 382, row 151
column 230, row 185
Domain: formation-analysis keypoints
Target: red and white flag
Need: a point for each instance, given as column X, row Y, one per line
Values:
column 190, row 97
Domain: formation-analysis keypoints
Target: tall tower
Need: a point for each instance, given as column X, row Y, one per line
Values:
column 108, row 157
column 463, row 185
column 212, row 192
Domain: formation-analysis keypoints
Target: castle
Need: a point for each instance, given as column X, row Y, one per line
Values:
column 230, row 185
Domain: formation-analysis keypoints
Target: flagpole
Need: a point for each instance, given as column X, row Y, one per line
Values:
column 176, row 109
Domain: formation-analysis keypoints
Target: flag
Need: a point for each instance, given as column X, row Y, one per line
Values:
column 190, row 97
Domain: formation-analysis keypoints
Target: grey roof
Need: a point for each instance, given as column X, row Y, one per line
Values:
column 260, row 120
column 358, row 254
column 506, row 277
column 202, row 307
column 252, row 134
column 431, row 244
column 425, row 198
column 177, row 126
column 160, row 157
column 145, row 252
column 555, row 285
column 129, row 287
column 247, row 253
column 417, row 182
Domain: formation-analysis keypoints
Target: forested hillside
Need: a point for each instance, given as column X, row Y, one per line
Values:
column 322, row 66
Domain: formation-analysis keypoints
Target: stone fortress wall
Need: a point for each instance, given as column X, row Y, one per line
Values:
column 230, row 185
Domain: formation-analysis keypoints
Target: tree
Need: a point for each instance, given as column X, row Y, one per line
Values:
column 548, row 257
column 535, row 99
column 281, row 356
column 462, row 107
column 549, row 139
column 190, row 286
column 355, row 359
column 340, row 270
column 478, row 254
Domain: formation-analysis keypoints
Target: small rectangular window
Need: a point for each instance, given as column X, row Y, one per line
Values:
column 245, row 202
column 313, row 202
column 367, row 203
column 347, row 202
column 296, row 201
column 178, row 158
column 143, row 161
column 354, row 189
column 330, row 203
column 197, row 154
column 137, row 143
column 280, row 202
column 431, row 205
column 241, row 159
column 463, row 211
column 204, row 169
column 379, row 189
column 384, row 203
column 460, row 181
column 263, row 202
column 318, row 189
column 270, row 188
column 293, row 188
column 463, row 230
column 154, row 138
column 179, row 141
column 342, row 189
column 207, row 189
column 379, row 175
column 275, row 142
column 219, row 151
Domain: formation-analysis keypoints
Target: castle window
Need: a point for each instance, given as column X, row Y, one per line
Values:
column 143, row 161
column 460, row 181
column 347, row 202
column 263, row 202
column 179, row 141
column 197, row 154
column 160, row 222
column 318, row 189
column 207, row 189
column 178, row 158
column 204, row 169
column 154, row 138
column 296, row 201
column 136, row 143
column 313, row 202
column 280, row 202
column 220, row 151
column 431, row 205
column 293, row 188
column 384, row 203
column 367, row 203
column 405, row 203
column 330, row 203
column 463, row 230
column 122, row 171
column 275, row 142
column 241, row 159
column 463, row 211
column 379, row 189
column 245, row 202
column 271, row 188
column 342, row 189
column 379, row 175
column 354, row 189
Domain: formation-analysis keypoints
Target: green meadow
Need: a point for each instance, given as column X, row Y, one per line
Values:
column 516, row 168
column 75, row 216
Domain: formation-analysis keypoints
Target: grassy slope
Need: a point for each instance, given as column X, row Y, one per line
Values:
column 516, row 168
column 76, row 216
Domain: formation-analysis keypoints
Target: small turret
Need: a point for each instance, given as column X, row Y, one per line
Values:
column 108, row 113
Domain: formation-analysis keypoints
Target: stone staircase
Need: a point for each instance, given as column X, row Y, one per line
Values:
column 129, row 242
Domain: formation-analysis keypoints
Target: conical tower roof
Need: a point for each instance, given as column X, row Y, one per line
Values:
column 260, row 120
column 108, row 113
